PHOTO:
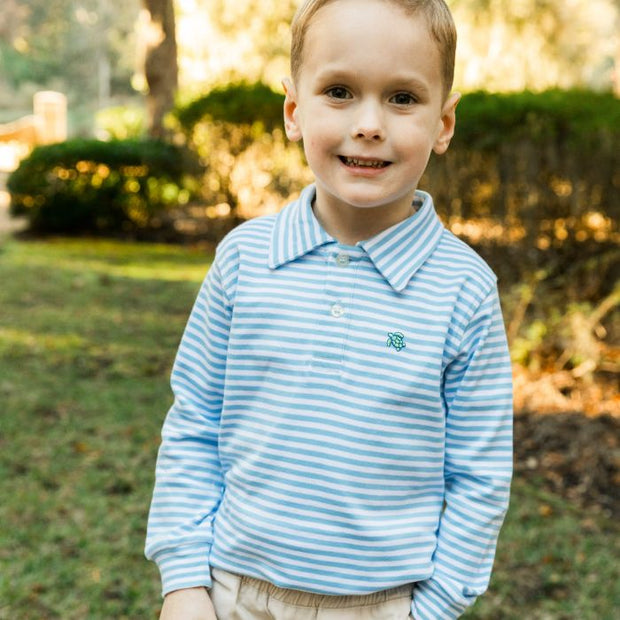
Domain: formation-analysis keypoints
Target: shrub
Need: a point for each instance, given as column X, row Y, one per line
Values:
column 543, row 164
column 240, row 104
column 121, row 122
column 488, row 120
column 101, row 187
column 538, row 169
column 532, row 181
column 251, row 168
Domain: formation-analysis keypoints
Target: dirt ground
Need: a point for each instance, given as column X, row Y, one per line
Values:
column 567, row 437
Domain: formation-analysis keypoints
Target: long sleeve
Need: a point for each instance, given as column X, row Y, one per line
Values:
column 189, row 485
column 478, row 466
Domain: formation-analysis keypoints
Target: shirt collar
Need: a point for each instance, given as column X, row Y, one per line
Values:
column 397, row 252
column 296, row 231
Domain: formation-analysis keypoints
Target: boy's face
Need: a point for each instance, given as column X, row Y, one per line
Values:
column 368, row 105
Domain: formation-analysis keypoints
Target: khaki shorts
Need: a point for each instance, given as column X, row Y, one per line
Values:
column 244, row 598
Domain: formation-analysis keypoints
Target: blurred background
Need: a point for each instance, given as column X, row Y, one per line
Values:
column 135, row 134
column 93, row 50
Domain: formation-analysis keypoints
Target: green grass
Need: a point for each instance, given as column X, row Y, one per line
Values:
column 554, row 561
column 88, row 333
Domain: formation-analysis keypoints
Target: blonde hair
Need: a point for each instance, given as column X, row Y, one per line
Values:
column 436, row 12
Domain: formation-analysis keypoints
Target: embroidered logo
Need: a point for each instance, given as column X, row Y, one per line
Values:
column 396, row 340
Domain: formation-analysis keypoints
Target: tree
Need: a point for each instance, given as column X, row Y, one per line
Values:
column 536, row 44
column 160, row 61
column 223, row 42
column 84, row 48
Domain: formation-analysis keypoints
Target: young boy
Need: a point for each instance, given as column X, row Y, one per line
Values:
column 340, row 445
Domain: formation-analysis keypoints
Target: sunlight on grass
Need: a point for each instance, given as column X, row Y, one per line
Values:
column 138, row 261
column 158, row 271
column 11, row 338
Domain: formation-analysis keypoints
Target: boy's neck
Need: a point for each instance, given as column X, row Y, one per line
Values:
column 350, row 225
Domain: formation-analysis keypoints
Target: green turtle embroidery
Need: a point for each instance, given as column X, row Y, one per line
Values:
column 396, row 340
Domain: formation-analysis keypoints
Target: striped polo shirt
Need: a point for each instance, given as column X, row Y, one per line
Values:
column 342, row 420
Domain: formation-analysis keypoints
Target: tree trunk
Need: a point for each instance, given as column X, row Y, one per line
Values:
column 160, row 64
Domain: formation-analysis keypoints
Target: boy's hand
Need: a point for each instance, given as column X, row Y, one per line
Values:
column 188, row 604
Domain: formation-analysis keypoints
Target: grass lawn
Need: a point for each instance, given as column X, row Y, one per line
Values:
column 88, row 333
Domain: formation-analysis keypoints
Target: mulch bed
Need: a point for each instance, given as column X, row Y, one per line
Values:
column 573, row 455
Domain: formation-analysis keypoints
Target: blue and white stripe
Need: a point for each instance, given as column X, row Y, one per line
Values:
column 303, row 449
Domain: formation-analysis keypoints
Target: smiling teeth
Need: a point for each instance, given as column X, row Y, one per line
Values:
column 364, row 163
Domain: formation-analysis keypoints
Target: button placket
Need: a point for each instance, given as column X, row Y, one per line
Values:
column 339, row 282
column 340, row 277
column 341, row 260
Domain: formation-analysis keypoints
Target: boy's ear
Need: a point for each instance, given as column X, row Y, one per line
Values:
column 291, row 124
column 447, row 124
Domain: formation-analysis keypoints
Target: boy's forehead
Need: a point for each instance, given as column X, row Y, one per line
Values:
column 435, row 14
column 353, row 7
column 369, row 28
column 345, row 19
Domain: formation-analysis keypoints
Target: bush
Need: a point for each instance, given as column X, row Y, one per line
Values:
column 240, row 104
column 537, row 172
column 101, row 187
column 544, row 164
column 237, row 131
column 532, row 181
column 488, row 120
column 121, row 122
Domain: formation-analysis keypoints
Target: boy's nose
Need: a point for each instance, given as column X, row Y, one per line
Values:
column 368, row 123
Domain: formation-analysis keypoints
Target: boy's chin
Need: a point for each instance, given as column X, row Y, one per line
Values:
column 366, row 202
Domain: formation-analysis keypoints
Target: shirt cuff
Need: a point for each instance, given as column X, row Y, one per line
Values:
column 183, row 568
column 431, row 601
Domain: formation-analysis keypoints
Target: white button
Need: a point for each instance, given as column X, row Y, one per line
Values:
column 342, row 260
column 337, row 310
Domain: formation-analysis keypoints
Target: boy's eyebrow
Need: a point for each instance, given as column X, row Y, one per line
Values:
column 411, row 82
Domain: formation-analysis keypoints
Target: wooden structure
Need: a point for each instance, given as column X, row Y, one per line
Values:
column 47, row 125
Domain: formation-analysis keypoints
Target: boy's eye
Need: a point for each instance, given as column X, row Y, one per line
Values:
column 403, row 99
column 338, row 92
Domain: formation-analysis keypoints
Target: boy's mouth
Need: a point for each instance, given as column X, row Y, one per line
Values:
column 356, row 162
